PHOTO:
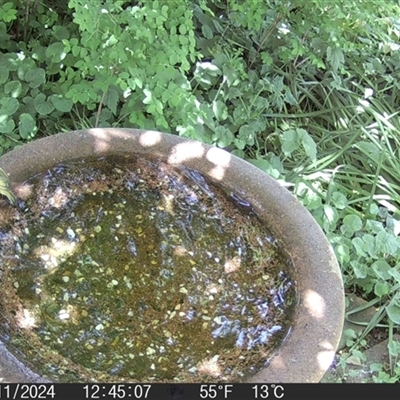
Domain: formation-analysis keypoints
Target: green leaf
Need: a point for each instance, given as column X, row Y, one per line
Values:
column 245, row 137
column 182, row 29
column 386, row 243
column 13, row 88
column 351, row 223
column 7, row 12
column 381, row 269
column 27, row 126
column 10, row 61
column 148, row 99
column 374, row 209
column 61, row 32
column 381, row 289
column 360, row 270
column 393, row 312
column 35, row 77
column 308, row 144
column 220, row 110
column 61, row 103
column 331, row 214
column 289, row 140
column 111, row 41
column 7, row 124
column 9, row 106
column 173, row 58
column 42, row 106
column 56, row 52
column 342, row 253
column 207, row 32
column 3, row 74
column 111, row 99
column 360, row 246
column 339, row 200
column 223, row 136
column 371, row 149
column 314, row 202
column 335, row 57
column 395, row 273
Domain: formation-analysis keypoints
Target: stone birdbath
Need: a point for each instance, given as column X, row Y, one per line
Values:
column 308, row 348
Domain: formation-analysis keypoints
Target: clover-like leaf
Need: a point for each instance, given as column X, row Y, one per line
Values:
column 61, row 103
column 27, row 126
column 42, row 106
column 35, row 77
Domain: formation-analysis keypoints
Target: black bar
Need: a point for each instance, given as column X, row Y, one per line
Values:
column 223, row 391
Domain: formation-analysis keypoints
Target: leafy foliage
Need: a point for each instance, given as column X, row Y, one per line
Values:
column 308, row 91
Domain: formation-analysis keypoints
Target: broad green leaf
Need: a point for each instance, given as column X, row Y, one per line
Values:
column 308, row 144
column 10, row 61
column 220, row 110
column 159, row 106
column 360, row 246
column 7, row 124
column 381, row 269
column 223, row 136
column 56, row 52
column 13, row 88
column 111, row 41
column 314, row 202
column 111, row 99
column 335, row 57
column 9, row 106
column 360, row 270
column 394, row 348
column 23, row 67
column 393, row 311
column 277, row 82
column 289, row 98
column 331, row 214
column 289, row 140
column 148, row 98
column 61, row 103
column 7, row 12
column 207, row 32
column 27, row 126
column 374, row 209
column 374, row 226
column 394, row 272
column 35, row 77
column 386, row 243
column 370, row 241
column 339, row 200
column 164, row 11
column 381, row 289
column 3, row 74
column 182, row 29
column 42, row 106
column 342, row 253
column 173, row 58
column 61, row 32
column 246, row 135
column 351, row 223
column 371, row 149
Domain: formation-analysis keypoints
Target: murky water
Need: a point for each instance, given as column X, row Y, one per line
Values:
column 123, row 270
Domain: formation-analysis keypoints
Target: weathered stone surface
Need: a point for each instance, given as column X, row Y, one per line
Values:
column 309, row 349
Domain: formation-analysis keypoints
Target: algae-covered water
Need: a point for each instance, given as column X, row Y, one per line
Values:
column 121, row 270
